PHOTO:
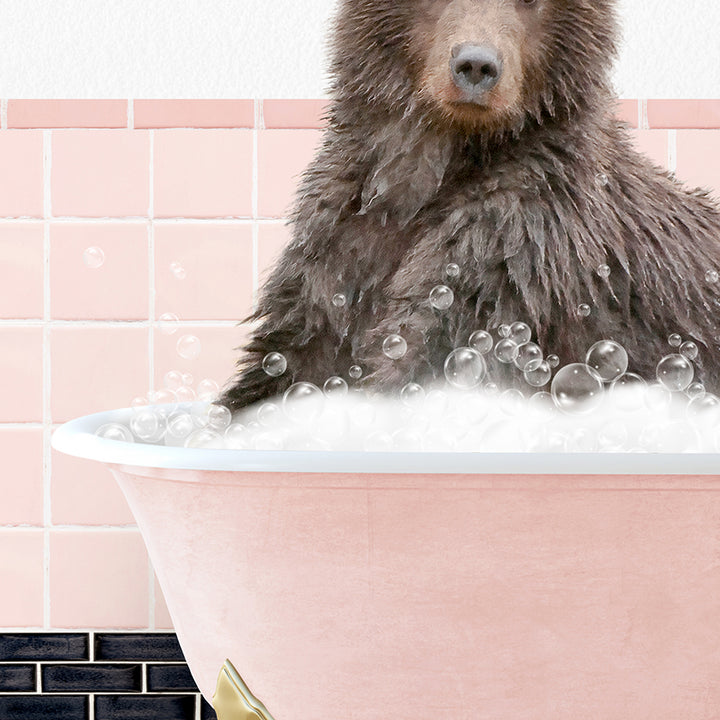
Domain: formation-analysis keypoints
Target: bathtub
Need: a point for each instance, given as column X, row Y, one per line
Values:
column 368, row 586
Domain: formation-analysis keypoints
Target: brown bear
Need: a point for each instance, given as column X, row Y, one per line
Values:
column 481, row 133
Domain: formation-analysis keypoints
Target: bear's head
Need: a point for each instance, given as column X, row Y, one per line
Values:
column 478, row 65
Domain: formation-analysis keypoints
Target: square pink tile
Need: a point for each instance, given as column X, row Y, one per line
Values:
column 217, row 261
column 96, row 368
column 100, row 173
column 684, row 113
column 21, row 370
column 163, row 621
column 698, row 159
column 98, row 579
column 294, row 113
column 272, row 239
column 21, row 190
column 21, row 480
column 217, row 357
column 283, row 155
column 85, row 493
column 21, row 570
column 117, row 290
column 67, row 113
column 654, row 144
column 194, row 113
column 628, row 111
column 22, row 271
column 203, row 173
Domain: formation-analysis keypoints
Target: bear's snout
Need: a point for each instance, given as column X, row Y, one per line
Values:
column 475, row 69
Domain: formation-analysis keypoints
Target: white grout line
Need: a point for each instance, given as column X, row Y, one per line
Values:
column 151, row 595
column 3, row 114
column 131, row 114
column 672, row 150
column 255, row 192
column 639, row 113
column 151, row 269
column 139, row 219
column 113, row 323
column 644, row 124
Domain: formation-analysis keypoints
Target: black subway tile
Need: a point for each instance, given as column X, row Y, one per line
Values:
column 91, row 678
column 17, row 678
column 138, row 646
column 206, row 710
column 144, row 707
column 44, row 646
column 161, row 678
column 43, row 707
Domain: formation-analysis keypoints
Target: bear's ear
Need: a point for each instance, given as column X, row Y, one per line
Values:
column 407, row 172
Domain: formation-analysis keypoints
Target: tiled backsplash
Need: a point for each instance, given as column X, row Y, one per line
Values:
column 201, row 187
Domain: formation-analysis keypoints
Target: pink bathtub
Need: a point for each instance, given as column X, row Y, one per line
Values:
column 416, row 586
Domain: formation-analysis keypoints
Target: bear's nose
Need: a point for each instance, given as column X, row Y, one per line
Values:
column 475, row 68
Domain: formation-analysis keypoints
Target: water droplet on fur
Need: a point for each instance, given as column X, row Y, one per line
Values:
column 115, row 431
column 274, row 364
column 675, row 372
column 441, row 297
column 689, row 349
column 93, row 257
column 553, row 361
column 339, row 300
column 529, row 356
column 355, row 372
column 609, row 360
column 412, row 394
column 335, row 387
column 539, row 375
column 394, row 347
column 584, row 310
column 302, row 402
column 602, row 179
column 506, row 351
column 603, row 271
column 464, row 368
column 178, row 271
column 712, row 277
column 189, row 347
column 207, row 390
column 482, row 341
column 576, row 388
column 452, row 270
column 675, row 340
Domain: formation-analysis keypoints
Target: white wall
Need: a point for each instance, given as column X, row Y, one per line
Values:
column 275, row 48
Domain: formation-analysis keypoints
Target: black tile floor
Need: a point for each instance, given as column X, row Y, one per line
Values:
column 120, row 676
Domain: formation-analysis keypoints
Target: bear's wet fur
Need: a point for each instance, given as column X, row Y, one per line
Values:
column 529, row 187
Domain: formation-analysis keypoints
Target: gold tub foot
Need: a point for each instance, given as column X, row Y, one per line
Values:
column 233, row 700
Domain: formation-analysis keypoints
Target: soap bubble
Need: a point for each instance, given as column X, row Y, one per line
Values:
column 355, row 372
column 613, row 436
column 539, row 375
column 657, row 397
column 482, row 341
column 237, row 436
column 268, row 414
column 339, row 300
column 394, row 347
column 602, row 180
column 267, row 441
column 506, row 351
column 185, row 394
column 675, row 372
column 695, row 390
column 139, row 402
column 675, row 340
column 553, row 361
column 712, row 277
column 173, row 380
column 542, row 402
column 464, row 368
column 178, row 271
column 512, row 402
column 335, row 387
column 504, row 331
column 163, row 397
column 582, row 440
column 689, row 349
column 219, row 417
column 207, row 390
column 147, row 425
column 441, row 297
column 205, row 438
column 628, row 391
column 412, row 394
column 302, row 402
column 274, row 364
column 576, row 388
column 169, row 323
column 93, row 257
column 608, row 359
column 705, row 406
column 179, row 426
column 187, row 378
column 115, row 431
column 603, row 271
column 452, row 270
column 378, row 441
column 189, row 347
column 520, row 333
column 584, row 310
column 529, row 356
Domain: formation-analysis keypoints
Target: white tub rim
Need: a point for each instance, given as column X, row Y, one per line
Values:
column 77, row 437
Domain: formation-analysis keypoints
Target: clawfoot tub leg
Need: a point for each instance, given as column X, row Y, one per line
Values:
column 233, row 700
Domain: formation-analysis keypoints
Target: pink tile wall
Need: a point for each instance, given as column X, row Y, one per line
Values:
column 199, row 185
